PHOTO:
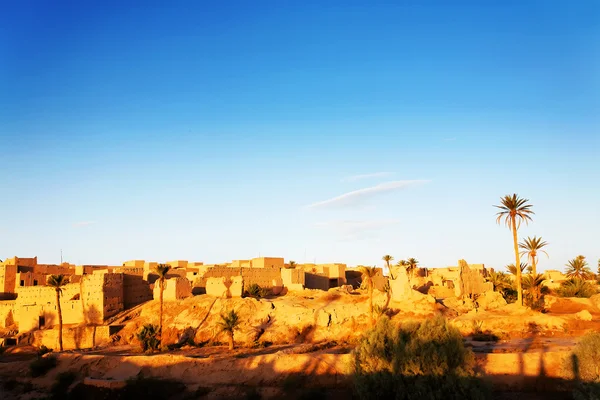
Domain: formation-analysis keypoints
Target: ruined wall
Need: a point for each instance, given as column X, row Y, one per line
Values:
column 471, row 282
column 225, row 287
column 261, row 276
column 135, row 290
column 50, row 269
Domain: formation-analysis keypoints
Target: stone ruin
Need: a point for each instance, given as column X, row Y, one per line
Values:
column 470, row 282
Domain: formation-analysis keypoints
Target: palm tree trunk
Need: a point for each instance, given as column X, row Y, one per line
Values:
column 160, row 321
column 231, row 343
column 60, row 327
column 533, row 266
column 371, row 303
column 518, row 261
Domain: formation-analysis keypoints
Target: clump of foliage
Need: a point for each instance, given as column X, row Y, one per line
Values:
column 503, row 285
column 576, row 287
column 425, row 360
column 253, row 290
column 41, row 365
column 61, row 385
column 584, row 367
column 148, row 337
column 534, row 291
column 228, row 324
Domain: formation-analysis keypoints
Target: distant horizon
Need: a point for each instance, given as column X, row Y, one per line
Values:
column 338, row 132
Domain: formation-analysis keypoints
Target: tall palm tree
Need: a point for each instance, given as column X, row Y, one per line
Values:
column 513, row 270
column 515, row 210
column 578, row 268
column 161, row 270
column 368, row 273
column 229, row 323
column 57, row 282
column 388, row 259
column 531, row 247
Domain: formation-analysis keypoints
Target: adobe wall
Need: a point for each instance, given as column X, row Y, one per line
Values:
column 134, row 263
column 178, row 264
column 8, row 276
column 80, row 337
column 292, row 277
column 267, row 262
column 135, row 290
column 44, row 294
column 7, row 313
column 315, row 281
column 30, row 279
column 103, row 296
column 28, row 317
column 175, row 289
column 50, row 269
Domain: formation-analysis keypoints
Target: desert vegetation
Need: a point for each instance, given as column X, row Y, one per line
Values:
column 425, row 360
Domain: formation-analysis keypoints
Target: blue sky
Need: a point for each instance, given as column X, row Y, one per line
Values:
column 337, row 133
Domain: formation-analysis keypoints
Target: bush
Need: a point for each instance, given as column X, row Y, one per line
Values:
column 584, row 363
column 576, row 288
column 253, row 290
column 41, row 365
column 422, row 361
column 61, row 386
column 148, row 337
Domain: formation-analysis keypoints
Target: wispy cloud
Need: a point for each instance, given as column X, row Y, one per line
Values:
column 354, row 178
column 358, row 196
column 357, row 229
column 81, row 224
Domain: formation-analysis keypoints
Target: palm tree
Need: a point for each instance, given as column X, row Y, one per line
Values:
column 57, row 282
column 531, row 247
column 513, row 270
column 368, row 273
column 229, row 323
column 161, row 270
column 499, row 281
column 515, row 210
column 388, row 259
column 292, row 264
column 411, row 266
column 533, row 285
column 578, row 268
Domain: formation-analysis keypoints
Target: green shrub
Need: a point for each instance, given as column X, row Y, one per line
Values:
column 425, row 360
column 576, row 287
column 148, row 337
column 253, row 290
column 41, row 365
column 584, row 362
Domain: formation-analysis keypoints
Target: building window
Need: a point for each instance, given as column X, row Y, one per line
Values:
column 22, row 282
column 34, row 282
